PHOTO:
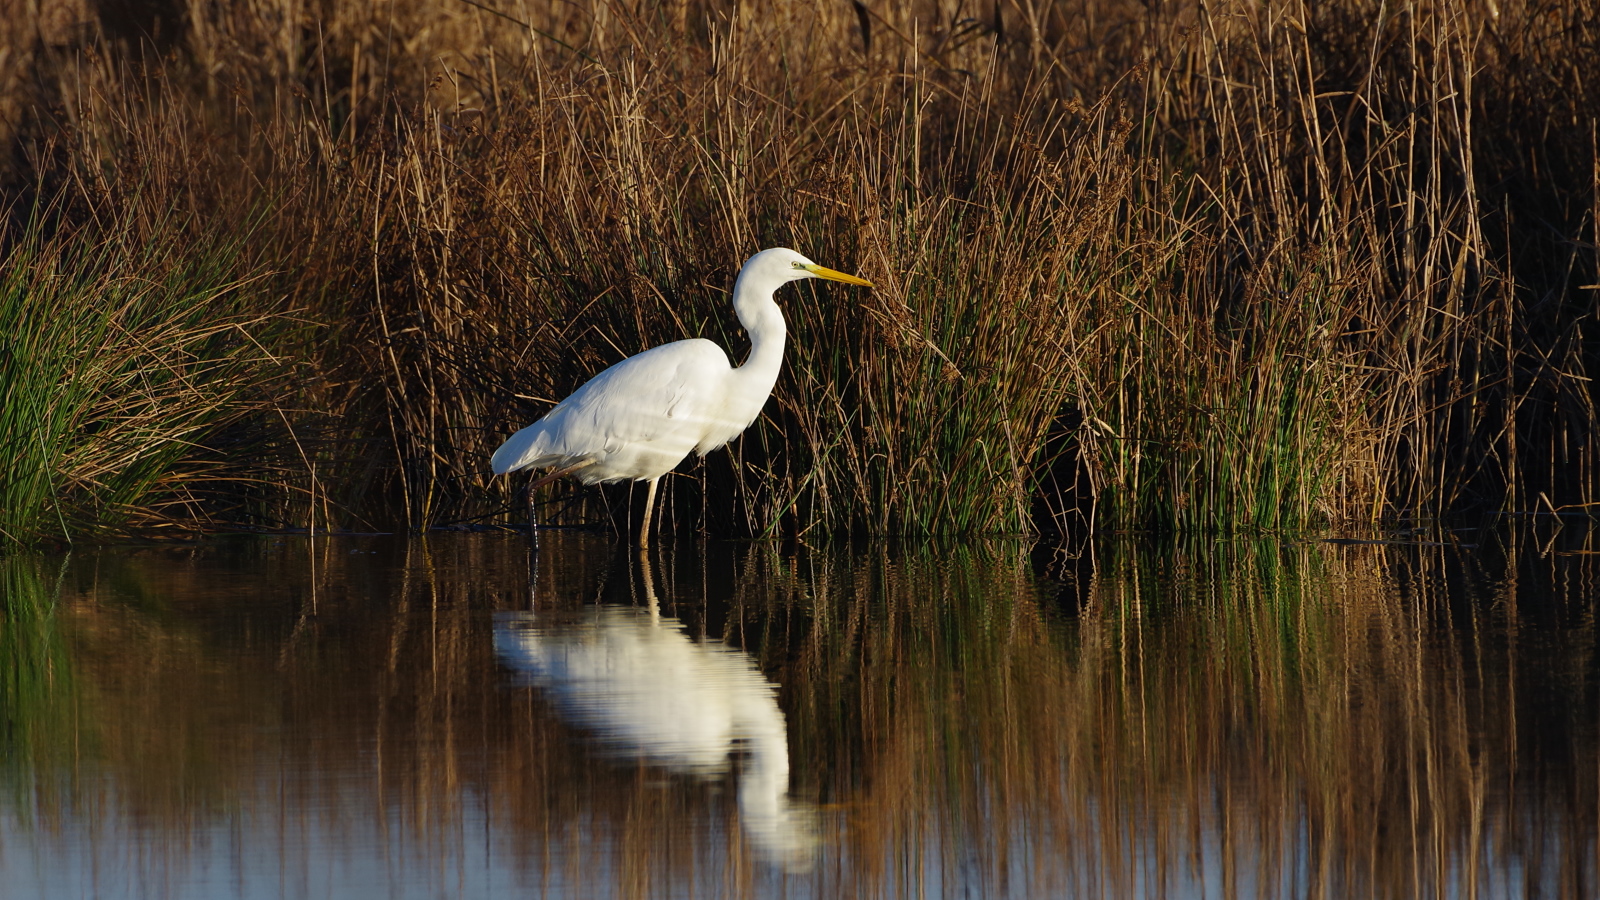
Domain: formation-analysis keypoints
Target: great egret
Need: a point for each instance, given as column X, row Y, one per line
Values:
column 644, row 415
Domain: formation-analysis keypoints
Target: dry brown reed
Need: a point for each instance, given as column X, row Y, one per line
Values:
column 1197, row 266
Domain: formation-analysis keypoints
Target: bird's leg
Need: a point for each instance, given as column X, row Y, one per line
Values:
column 649, row 506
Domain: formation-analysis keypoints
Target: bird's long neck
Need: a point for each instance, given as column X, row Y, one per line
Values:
column 763, row 321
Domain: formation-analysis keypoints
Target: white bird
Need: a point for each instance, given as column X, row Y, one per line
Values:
column 644, row 415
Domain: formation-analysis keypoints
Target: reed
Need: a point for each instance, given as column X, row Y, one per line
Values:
column 124, row 354
column 1196, row 267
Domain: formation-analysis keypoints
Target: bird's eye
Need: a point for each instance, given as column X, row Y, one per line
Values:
column 798, row 265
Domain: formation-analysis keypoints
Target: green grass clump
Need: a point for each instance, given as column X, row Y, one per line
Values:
column 121, row 356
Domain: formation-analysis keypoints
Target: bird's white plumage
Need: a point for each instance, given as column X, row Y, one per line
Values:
column 639, row 418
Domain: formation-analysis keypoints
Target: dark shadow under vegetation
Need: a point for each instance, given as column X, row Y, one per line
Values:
column 1223, row 266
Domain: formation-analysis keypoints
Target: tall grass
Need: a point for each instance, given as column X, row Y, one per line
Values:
column 1195, row 266
column 122, row 354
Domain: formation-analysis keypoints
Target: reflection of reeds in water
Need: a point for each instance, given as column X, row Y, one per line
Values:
column 1257, row 719
column 37, row 693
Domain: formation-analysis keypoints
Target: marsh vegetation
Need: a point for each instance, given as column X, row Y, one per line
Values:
column 1191, row 266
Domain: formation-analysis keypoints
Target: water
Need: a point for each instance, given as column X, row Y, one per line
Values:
column 392, row 717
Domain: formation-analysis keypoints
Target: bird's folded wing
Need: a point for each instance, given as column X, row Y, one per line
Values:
column 664, row 395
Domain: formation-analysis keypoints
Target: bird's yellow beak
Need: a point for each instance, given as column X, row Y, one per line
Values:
column 831, row 275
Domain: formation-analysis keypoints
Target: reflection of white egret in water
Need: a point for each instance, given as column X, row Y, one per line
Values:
column 641, row 685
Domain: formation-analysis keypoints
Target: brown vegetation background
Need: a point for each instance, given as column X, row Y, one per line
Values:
column 1175, row 265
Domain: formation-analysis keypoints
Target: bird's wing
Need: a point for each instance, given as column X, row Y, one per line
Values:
column 656, row 394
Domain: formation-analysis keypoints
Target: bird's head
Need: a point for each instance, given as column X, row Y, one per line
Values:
column 781, row 265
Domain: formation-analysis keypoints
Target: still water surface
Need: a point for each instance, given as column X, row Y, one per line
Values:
column 393, row 717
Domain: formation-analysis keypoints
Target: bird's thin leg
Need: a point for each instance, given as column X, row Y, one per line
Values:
column 649, row 506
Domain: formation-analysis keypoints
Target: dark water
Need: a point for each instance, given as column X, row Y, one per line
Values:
column 391, row 717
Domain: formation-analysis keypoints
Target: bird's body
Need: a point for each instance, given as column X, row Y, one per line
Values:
column 641, row 417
